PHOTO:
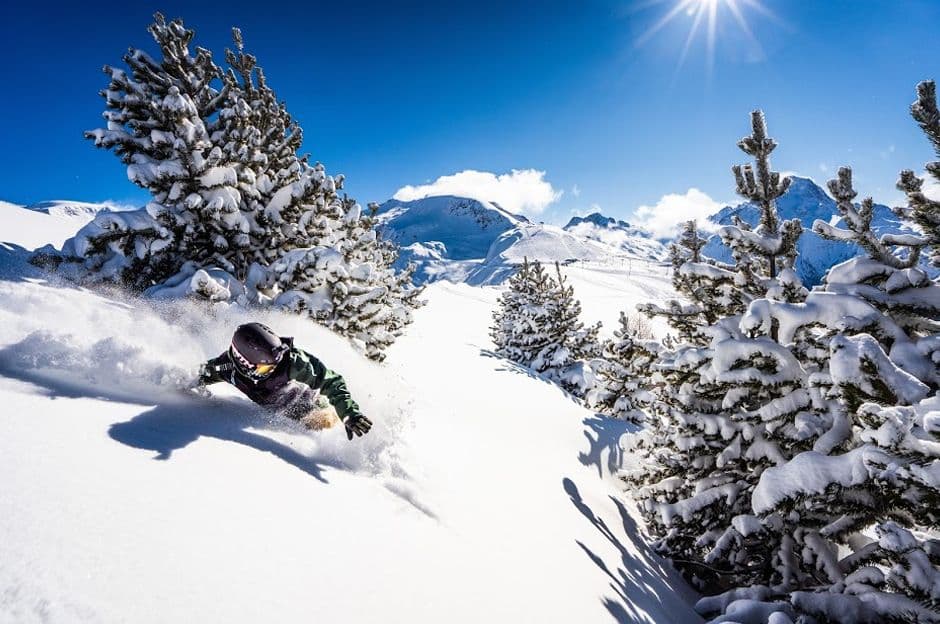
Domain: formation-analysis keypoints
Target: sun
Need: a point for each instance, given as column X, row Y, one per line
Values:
column 704, row 15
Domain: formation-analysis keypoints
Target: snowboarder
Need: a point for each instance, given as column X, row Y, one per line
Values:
column 272, row 372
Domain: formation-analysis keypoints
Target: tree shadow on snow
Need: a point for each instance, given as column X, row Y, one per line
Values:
column 643, row 583
column 603, row 434
column 175, row 422
column 14, row 263
column 513, row 367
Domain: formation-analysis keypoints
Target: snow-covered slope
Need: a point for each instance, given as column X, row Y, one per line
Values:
column 806, row 201
column 44, row 223
column 466, row 227
column 546, row 243
column 465, row 240
column 630, row 240
column 482, row 494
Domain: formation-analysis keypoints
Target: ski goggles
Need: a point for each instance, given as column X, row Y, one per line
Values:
column 257, row 370
column 264, row 369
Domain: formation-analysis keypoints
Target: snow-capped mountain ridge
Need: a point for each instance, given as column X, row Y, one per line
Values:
column 461, row 239
column 466, row 227
column 807, row 201
column 70, row 208
column 599, row 220
column 628, row 240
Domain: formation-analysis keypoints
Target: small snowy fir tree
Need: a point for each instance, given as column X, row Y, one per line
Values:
column 772, row 244
column 537, row 324
column 922, row 210
column 711, row 289
column 625, row 372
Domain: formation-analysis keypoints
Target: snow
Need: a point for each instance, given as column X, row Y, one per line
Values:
column 849, row 353
column 812, row 472
column 466, row 227
column 482, row 494
column 628, row 239
column 44, row 223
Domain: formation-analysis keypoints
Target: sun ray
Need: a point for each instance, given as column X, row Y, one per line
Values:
column 707, row 13
column 712, row 28
column 696, row 22
column 745, row 27
column 668, row 17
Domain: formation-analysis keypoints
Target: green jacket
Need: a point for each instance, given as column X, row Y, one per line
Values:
column 297, row 365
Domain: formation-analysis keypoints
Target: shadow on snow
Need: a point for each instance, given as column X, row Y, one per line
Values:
column 603, row 434
column 175, row 422
column 513, row 367
column 642, row 581
column 14, row 263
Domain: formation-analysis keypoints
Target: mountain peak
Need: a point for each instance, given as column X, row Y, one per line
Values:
column 597, row 219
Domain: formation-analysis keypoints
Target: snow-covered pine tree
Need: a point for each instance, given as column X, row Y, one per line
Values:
column 161, row 116
column 729, row 403
column 373, row 303
column 771, row 247
column 856, row 514
column 520, row 315
column 572, row 346
column 691, row 241
column 237, row 213
column 257, row 131
column 624, row 374
column 922, row 210
column 537, row 324
column 712, row 289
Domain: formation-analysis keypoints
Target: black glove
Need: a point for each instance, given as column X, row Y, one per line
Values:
column 357, row 424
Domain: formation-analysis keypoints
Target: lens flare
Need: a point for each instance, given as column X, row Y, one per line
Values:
column 705, row 14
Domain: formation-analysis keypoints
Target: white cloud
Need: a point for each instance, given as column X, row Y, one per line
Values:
column 576, row 190
column 673, row 209
column 521, row 190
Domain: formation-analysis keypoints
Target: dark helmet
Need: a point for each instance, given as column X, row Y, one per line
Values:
column 256, row 350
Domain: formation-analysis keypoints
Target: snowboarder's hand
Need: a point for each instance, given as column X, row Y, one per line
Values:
column 357, row 424
column 205, row 375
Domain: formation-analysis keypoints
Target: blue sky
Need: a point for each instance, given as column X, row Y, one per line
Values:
column 395, row 94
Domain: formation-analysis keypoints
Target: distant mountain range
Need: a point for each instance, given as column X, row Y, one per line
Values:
column 806, row 201
column 466, row 240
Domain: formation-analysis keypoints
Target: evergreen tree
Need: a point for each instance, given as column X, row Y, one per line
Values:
column 522, row 316
column 160, row 118
column 921, row 210
column 710, row 287
column 624, row 375
column 537, row 324
column 233, row 201
column 852, row 516
column 733, row 400
column 772, row 244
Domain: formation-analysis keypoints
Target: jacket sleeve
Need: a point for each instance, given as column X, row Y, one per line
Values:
column 307, row 369
column 216, row 370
